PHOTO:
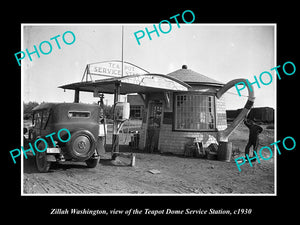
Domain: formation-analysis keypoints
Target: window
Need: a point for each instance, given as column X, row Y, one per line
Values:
column 45, row 119
column 136, row 111
column 40, row 119
column 78, row 114
column 194, row 111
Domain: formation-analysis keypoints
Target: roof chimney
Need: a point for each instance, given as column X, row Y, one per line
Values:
column 184, row 66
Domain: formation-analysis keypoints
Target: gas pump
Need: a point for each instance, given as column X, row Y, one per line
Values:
column 101, row 140
column 122, row 111
column 121, row 114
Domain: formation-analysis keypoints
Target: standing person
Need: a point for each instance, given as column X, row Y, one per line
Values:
column 254, row 131
column 152, row 135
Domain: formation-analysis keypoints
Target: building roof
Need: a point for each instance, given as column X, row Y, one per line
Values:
column 139, row 83
column 191, row 77
column 51, row 105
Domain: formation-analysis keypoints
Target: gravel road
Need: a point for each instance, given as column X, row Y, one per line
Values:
column 177, row 175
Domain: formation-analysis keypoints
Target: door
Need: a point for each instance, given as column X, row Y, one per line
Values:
column 153, row 128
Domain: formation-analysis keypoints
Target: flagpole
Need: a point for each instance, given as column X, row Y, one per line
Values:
column 115, row 135
column 122, row 50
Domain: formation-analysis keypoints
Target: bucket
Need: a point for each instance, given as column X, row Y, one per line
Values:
column 212, row 155
column 224, row 151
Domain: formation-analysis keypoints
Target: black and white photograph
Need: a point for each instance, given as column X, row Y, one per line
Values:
column 113, row 112
column 144, row 109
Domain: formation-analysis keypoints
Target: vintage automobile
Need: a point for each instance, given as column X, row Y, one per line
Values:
column 82, row 121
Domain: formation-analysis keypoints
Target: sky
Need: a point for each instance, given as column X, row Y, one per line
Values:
column 220, row 51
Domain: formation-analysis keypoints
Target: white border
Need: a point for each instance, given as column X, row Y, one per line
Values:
column 130, row 24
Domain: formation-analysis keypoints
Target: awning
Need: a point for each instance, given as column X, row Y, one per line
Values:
column 144, row 83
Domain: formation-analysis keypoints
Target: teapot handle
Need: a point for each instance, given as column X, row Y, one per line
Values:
column 224, row 134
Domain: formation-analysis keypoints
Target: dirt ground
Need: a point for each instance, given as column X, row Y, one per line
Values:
column 177, row 174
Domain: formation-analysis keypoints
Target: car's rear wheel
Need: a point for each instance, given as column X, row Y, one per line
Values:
column 82, row 145
column 42, row 164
